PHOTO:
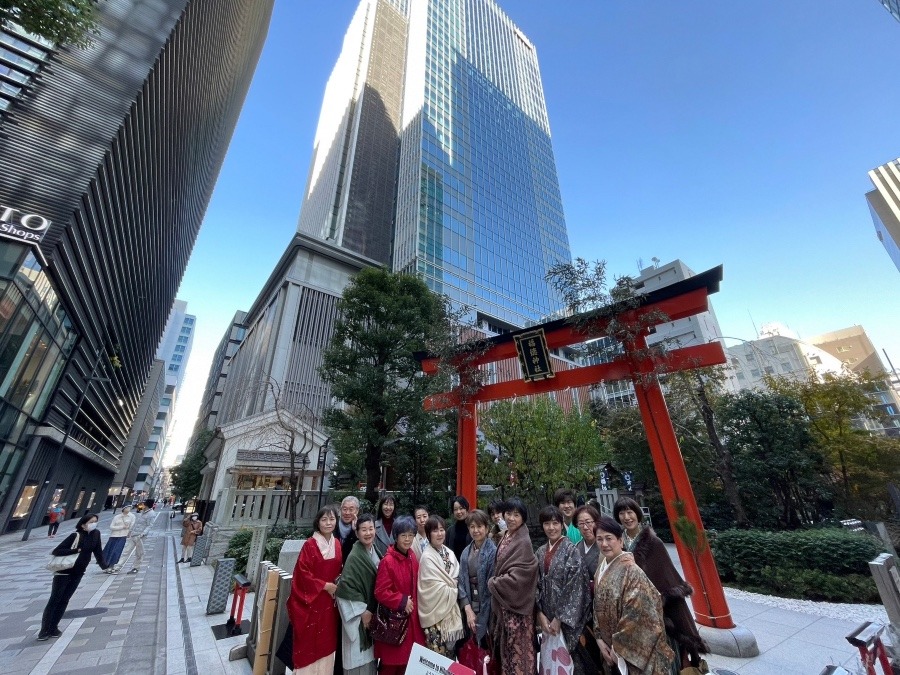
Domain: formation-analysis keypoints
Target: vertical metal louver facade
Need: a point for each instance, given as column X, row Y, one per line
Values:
column 119, row 146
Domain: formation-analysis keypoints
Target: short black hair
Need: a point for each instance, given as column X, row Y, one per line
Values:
column 84, row 519
column 462, row 501
column 628, row 504
column 563, row 495
column 516, row 504
column 549, row 513
column 321, row 514
column 420, row 507
column 495, row 506
column 433, row 523
column 364, row 518
column 607, row 524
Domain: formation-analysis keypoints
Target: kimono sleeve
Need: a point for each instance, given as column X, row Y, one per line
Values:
column 306, row 583
column 640, row 624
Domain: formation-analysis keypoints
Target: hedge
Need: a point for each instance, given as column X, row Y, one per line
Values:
column 825, row 564
column 239, row 544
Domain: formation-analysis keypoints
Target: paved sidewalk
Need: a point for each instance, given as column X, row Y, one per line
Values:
column 152, row 622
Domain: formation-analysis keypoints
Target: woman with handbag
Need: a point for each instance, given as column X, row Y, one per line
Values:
column 397, row 595
column 311, row 607
column 438, row 592
column 356, row 600
column 77, row 548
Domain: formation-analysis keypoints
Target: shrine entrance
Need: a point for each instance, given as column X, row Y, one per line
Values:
column 636, row 363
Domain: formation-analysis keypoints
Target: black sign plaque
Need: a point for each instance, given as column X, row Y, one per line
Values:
column 534, row 356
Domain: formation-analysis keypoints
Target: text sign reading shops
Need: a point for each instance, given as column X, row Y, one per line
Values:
column 29, row 228
column 534, row 356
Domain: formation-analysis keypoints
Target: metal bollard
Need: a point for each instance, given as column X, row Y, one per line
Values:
column 241, row 585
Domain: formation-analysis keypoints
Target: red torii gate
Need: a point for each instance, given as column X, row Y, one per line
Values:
column 679, row 300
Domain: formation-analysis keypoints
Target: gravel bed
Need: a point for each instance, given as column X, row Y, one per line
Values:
column 835, row 610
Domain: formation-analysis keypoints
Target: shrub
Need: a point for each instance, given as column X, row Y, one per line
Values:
column 239, row 548
column 239, row 544
column 824, row 564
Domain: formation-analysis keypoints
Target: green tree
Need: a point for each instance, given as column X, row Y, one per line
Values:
column 538, row 447
column 866, row 463
column 784, row 478
column 385, row 320
column 186, row 477
column 61, row 21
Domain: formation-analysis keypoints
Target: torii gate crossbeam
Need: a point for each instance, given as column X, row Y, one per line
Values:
column 683, row 299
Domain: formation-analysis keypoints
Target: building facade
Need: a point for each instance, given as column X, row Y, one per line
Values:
column 109, row 157
column 207, row 416
column 893, row 6
column 884, row 206
column 433, row 155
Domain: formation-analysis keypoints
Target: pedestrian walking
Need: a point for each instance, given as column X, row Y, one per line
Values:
column 84, row 541
column 56, row 513
column 135, row 542
column 191, row 528
column 118, row 533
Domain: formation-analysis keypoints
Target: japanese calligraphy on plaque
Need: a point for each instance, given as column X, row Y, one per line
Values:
column 534, row 356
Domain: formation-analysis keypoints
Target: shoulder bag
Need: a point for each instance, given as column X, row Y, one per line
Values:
column 60, row 563
column 389, row 626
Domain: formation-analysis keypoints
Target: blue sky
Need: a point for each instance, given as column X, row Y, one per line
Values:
column 716, row 132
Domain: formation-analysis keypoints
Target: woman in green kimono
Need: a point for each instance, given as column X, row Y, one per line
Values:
column 356, row 600
column 628, row 613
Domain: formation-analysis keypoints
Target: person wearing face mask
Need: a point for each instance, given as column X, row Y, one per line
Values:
column 191, row 529
column 135, row 542
column 85, row 541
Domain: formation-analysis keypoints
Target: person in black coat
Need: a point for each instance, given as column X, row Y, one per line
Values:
column 65, row 582
column 458, row 536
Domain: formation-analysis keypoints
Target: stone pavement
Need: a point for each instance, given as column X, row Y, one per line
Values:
column 152, row 622
column 155, row 621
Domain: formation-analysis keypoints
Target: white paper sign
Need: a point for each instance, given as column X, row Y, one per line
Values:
column 423, row 661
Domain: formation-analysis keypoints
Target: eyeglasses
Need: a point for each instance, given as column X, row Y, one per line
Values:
column 585, row 523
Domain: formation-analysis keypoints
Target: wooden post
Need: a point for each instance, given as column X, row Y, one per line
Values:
column 266, row 623
column 467, row 457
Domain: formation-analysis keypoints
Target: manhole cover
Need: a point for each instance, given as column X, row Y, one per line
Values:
column 723, row 671
column 79, row 613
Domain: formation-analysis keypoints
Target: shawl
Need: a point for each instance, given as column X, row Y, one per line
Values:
column 563, row 592
column 357, row 591
column 485, row 572
column 628, row 616
column 651, row 556
column 326, row 546
column 437, row 595
column 515, row 574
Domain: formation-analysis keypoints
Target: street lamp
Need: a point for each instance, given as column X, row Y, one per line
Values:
column 40, row 506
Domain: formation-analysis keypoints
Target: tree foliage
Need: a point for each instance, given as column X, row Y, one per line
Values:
column 60, row 21
column 186, row 477
column 783, row 476
column 539, row 447
column 864, row 463
column 385, row 319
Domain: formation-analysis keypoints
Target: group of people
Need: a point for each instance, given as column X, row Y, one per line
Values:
column 127, row 532
column 605, row 585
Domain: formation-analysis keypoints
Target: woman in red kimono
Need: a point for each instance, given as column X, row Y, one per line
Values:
column 311, row 608
column 395, row 588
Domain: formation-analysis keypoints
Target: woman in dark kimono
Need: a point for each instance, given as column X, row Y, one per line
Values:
column 476, row 566
column 563, row 599
column 651, row 556
column 513, row 589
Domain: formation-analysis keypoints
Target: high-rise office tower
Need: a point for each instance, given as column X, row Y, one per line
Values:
column 884, row 205
column 893, row 6
column 108, row 157
column 433, row 155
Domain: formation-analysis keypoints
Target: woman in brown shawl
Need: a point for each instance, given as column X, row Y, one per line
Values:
column 513, row 588
column 651, row 556
column 628, row 615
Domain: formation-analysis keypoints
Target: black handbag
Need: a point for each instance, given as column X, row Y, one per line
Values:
column 389, row 626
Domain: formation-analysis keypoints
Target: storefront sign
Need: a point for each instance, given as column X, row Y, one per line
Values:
column 29, row 228
column 534, row 356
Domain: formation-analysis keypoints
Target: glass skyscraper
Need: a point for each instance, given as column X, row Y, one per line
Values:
column 433, row 155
